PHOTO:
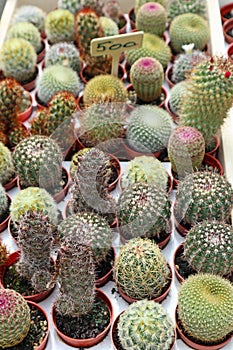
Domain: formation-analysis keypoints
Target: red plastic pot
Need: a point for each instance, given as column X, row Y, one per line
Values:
column 131, row 153
column 26, row 114
column 226, row 10
column 10, row 184
column 230, row 52
column 100, row 282
column 41, row 54
column 44, row 341
column 227, row 29
column 29, row 86
column 174, row 116
column 177, row 252
column 168, row 75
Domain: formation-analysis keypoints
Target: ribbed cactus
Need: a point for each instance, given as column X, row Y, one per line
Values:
column 32, row 14
column 35, row 239
column 57, row 78
column 71, row 5
column 15, row 318
column 151, row 18
column 109, row 26
column 33, row 199
column 208, row 247
column 147, row 76
column 178, row 7
column 189, row 28
column 143, row 210
column 4, row 202
column 186, row 150
column 205, row 308
column 59, row 26
column 139, row 3
column 199, row 108
column 177, row 94
column 203, row 195
column 7, row 171
column 145, row 169
column 145, row 324
column 38, row 162
column 104, row 88
column 149, row 129
column 141, row 270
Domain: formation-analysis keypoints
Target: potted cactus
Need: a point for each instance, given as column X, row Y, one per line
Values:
column 178, row 7
column 5, row 201
column 32, row 14
column 173, row 103
column 7, row 171
column 59, row 26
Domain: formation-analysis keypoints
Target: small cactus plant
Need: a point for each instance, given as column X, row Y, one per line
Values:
column 146, row 76
column 32, row 14
column 112, row 9
column 15, row 318
column 109, row 26
column 4, row 202
column 178, row 7
column 139, row 3
column 205, row 307
column 11, row 97
column 71, row 5
column 145, row 324
column 4, row 255
column 151, row 18
column 141, row 270
column 7, row 171
column 177, row 94
column 59, row 26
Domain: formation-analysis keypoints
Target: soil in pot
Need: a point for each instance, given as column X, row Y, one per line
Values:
column 182, row 267
column 103, row 271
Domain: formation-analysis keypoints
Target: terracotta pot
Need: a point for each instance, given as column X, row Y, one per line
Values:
column 168, row 75
column 174, row 116
column 227, row 29
column 177, row 252
column 12, row 183
column 123, row 28
column 131, row 16
column 131, row 153
column 4, row 223
column 32, row 83
column 225, row 12
column 85, row 78
column 13, row 259
column 230, row 52
column 41, row 54
column 26, row 114
column 90, row 341
column 100, row 282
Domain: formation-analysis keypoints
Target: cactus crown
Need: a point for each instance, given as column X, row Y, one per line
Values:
column 32, row 14
column 6, row 164
column 139, row 3
column 178, row 7
column 59, row 26
column 27, row 31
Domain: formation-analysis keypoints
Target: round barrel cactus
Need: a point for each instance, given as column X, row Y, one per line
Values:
column 148, row 15
column 139, row 3
column 59, row 26
column 32, row 14
column 178, row 7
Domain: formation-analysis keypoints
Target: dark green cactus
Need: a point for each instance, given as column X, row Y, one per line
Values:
column 149, row 14
column 59, row 26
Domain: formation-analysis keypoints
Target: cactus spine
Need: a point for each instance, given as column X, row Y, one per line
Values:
column 148, row 15
column 178, row 7
column 139, row 3
column 177, row 94
column 6, row 165
column 4, row 202
column 59, row 26
column 32, row 14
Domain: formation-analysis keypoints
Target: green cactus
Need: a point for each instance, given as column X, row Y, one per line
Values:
column 177, row 94
column 112, row 9
column 199, row 107
column 4, row 202
column 152, row 46
column 57, row 78
column 37, row 125
column 139, row 3
column 208, row 247
column 95, row 5
column 26, row 101
column 15, row 318
column 33, row 199
column 7, row 171
column 147, row 76
column 186, row 150
column 143, row 210
column 59, row 26
column 149, row 14
column 27, row 31
column 145, row 169
column 205, row 308
column 16, row 133
column 35, row 239
column 18, row 59
column 145, row 324
column 141, row 270
column 71, row 5
column 4, row 255
column 109, row 26
column 178, row 7
column 32, row 14
column 189, row 28
column 149, row 129
column 203, row 195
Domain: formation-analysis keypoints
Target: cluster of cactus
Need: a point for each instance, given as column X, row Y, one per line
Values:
column 143, row 210
column 145, row 324
column 7, row 171
column 186, row 150
column 57, row 78
column 151, row 18
column 177, row 94
column 35, row 239
column 178, row 7
column 65, row 54
column 146, row 76
column 141, row 270
column 71, row 5
column 145, row 169
column 109, row 26
column 189, row 28
column 203, row 195
column 4, row 201
column 199, row 107
column 18, row 59
column 15, row 319
column 38, row 162
column 104, row 88
column 139, row 3
column 152, row 46
column 112, row 9
column 208, row 247
column 33, row 199
column 59, row 26
column 149, row 129
column 32, row 14
column 205, row 308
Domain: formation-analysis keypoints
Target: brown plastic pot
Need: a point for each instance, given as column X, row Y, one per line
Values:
column 214, row 151
column 226, row 10
column 131, row 15
column 41, row 54
column 10, row 184
column 168, row 75
column 230, row 52
column 123, row 28
column 181, row 228
column 29, row 86
column 4, row 223
column 227, row 29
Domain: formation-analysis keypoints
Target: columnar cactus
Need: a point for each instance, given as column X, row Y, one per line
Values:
column 71, row 5
column 59, row 26
column 145, row 324
column 178, row 7
column 141, row 270
column 7, row 170
column 146, row 76
column 139, row 3
column 15, row 318
column 203, row 195
column 149, row 129
column 35, row 238
column 208, row 247
column 205, row 308
column 4, row 202
column 186, row 150
column 177, row 94
column 151, row 18
column 32, row 14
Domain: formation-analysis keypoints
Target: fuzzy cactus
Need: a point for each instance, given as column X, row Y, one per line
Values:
column 178, row 7
column 205, row 308
column 57, row 78
column 199, row 107
column 59, row 26
column 33, row 199
column 71, row 5
column 189, row 28
column 109, row 26
column 15, row 319
column 208, row 247
column 151, row 18
column 145, row 324
column 177, row 94
column 145, row 169
column 35, row 239
column 203, row 195
column 141, row 270
column 32, row 14
column 149, row 129
column 4, row 202
column 146, row 76
column 18, row 59
column 139, row 3
column 143, row 210
column 7, row 171
column 186, row 150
